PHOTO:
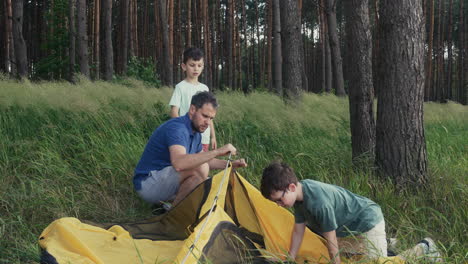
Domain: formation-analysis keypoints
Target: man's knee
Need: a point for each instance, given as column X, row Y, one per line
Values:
column 198, row 172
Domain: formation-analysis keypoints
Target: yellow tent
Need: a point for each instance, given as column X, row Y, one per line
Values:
column 224, row 220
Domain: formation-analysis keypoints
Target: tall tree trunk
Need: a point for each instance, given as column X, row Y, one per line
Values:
column 123, row 52
column 170, row 34
column 18, row 40
column 188, row 42
column 361, row 95
column 291, row 43
column 158, row 36
column 277, row 56
column 3, row 38
column 72, row 30
column 448, row 93
column 97, row 26
column 167, row 66
column 10, row 45
column 269, row 32
column 430, row 39
column 229, row 43
column 328, row 58
column 461, row 57
column 109, row 50
column 335, row 47
column 82, row 38
column 206, row 43
column 376, row 46
column 400, row 141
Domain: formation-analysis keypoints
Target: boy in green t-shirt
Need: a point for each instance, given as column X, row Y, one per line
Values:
column 192, row 65
column 349, row 222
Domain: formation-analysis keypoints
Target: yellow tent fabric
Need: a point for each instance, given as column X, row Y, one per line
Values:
column 224, row 220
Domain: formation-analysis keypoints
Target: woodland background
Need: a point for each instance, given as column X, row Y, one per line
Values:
column 241, row 40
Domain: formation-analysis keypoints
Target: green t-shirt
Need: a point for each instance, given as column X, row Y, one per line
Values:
column 182, row 97
column 328, row 207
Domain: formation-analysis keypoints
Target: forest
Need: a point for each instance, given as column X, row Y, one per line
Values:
column 245, row 42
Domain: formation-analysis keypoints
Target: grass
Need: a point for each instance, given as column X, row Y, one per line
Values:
column 70, row 150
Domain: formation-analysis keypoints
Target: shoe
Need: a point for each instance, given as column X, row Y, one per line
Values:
column 158, row 209
column 431, row 251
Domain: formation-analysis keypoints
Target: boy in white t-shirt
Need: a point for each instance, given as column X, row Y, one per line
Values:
column 180, row 101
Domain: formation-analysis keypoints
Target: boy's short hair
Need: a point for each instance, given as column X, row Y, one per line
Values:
column 276, row 177
column 205, row 97
column 195, row 54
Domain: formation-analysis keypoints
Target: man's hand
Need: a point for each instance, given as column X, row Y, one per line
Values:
column 224, row 150
column 239, row 163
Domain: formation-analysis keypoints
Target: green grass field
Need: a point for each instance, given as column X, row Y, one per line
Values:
column 70, row 150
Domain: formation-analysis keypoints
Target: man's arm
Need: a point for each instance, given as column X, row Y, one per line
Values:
column 182, row 161
column 296, row 239
column 174, row 111
column 332, row 245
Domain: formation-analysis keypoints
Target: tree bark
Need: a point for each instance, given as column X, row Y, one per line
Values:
column 109, row 50
column 291, row 43
column 189, row 24
column 97, row 35
column 123, row 53
column 277, row 56
column 335, row 47
column 18, row 40
column 361, row 96
column 448, row 92
column 166, row 65
column 400, row 141
column 461, row 57
column 83, row 59
column 3, row 38
column 72, row 38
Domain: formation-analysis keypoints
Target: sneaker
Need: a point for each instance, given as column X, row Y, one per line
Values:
column 431, row 251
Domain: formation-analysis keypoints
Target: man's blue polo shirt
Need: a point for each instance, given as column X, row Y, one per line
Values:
column 156, row 156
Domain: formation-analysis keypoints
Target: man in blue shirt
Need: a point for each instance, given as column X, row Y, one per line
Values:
column 173, row 162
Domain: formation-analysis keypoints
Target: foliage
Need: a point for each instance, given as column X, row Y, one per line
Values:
column 70, row 151
column 143, row 69
column 55, row 64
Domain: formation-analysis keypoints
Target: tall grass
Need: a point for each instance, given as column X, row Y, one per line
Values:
column 70, row 150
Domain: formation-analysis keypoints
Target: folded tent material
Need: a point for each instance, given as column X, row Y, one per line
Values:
column 224, row 220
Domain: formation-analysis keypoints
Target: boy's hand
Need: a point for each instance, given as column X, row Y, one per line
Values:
column 214, row 145
column 239, row 163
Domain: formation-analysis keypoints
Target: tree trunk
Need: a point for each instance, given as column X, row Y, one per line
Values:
column 3, row 43
column 10, row 45
column 123, row 53
column 206, row 43
column 82, row 38
column 277, row 56
column 401, row 146
column 97, row 35
column 461, row 57
column 229, row 41
column 291, row 43
column 448, row 92
column 188, row 42
column 167, row 66
column 335, row 47
column 18, row 40
column 430, row 38
column 72, row 37
column 109, row 50
column 328, row 58
column 170, row 34
column 269, row 25
column 361, row 87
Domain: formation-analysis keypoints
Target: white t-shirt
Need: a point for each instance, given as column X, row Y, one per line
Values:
column 182, row 97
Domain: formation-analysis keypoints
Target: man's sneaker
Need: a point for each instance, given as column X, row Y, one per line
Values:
column 431, row 251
